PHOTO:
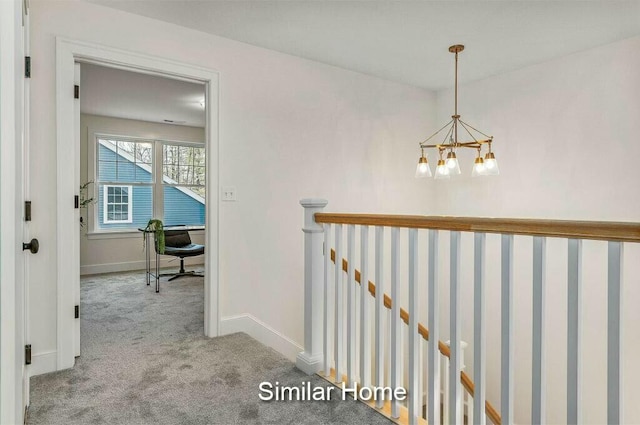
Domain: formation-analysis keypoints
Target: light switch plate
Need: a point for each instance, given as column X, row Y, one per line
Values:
column 228, row 193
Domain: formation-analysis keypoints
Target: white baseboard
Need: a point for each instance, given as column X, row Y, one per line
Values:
column 43, row 363
column 262, row 332
column 132, row 266
column 47, row 362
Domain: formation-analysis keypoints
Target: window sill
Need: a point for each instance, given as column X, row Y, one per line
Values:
column 123, row 234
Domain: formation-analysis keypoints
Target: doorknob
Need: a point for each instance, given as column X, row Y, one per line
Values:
column 32, row 246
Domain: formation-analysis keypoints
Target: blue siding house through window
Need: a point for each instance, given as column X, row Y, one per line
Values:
column 181, row 206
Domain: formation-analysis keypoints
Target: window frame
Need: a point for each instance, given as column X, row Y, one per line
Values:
column 157, row 183
column 106, row 203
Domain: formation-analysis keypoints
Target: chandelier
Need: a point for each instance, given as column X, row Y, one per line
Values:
column 487, row 166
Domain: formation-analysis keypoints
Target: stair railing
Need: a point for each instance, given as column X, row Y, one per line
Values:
column 338, row 342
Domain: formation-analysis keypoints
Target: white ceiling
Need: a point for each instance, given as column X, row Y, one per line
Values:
column 407, row 41
column 123, row 94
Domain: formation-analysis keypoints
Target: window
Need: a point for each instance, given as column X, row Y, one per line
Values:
column 117, row 204
column 137, row 180
column 183, row 177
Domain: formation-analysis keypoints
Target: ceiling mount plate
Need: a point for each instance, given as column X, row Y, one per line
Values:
column 456, row 48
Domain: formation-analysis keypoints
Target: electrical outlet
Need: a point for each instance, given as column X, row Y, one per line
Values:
column 229, row 193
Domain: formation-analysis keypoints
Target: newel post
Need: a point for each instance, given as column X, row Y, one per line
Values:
column 310, row 360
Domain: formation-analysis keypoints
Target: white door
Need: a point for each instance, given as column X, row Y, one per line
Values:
column 14, row 384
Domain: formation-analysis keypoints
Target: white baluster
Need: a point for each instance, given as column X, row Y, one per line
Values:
column 470, row 414
column 479, row 331
column 380, row 311
column 365, row 334
column 351, row 305
column 538, row 390
column 337, row 346
column 414, row 337
column 574, row 331
column 310, row 360
column 433, row 385
column 614, row 334
column 327, row 334
column 445, row 389
column 507, row 330
column 455, row 363
column 396, row 335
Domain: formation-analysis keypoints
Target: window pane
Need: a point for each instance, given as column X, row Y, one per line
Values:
column 183, row 164
column 141, row 199
column 183, row 205
column 125, row 161
column 144, row 153
column 127, row 148
column 199, row 176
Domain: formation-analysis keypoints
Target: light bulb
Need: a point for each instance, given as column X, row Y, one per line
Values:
column 491, row 165
column 423, row 170
column 451, row 160
column 479, row 168
column 442, row 171
column 452, row 163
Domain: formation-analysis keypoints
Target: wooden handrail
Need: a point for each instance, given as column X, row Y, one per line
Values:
column 424, row 332
column 492, row 413
column 596, row 230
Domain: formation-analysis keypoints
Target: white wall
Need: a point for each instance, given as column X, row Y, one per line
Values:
column 289, row 129
column 104, row 253
column 566, row 138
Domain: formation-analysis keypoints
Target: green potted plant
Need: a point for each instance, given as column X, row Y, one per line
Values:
column 155, row 226
column 85, row 200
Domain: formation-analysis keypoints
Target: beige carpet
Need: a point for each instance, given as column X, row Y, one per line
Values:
column 145, row 360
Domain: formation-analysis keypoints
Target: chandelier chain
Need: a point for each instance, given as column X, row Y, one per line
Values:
column 447, row 136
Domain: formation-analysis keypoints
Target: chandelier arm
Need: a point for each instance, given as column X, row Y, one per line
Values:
column 475, row 129
column 434, row 134
column 467, row 130
column 476, row 144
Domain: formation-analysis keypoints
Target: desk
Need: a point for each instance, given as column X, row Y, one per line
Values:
column 149, row 235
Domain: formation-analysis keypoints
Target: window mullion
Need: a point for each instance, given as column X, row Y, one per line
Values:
column 158, row 191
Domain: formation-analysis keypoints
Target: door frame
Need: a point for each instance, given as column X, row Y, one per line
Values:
column 67, row 53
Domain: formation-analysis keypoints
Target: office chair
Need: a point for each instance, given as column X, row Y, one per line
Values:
column 178, row 243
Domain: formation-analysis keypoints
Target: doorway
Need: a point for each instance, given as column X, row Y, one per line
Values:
column 68, row 274
column 142, row 156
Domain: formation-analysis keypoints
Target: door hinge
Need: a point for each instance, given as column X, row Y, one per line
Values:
column 76, row 92
column 76, row 201
column 76, row 312
column 27, row 354
column 27, row 210
column 27, row 66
